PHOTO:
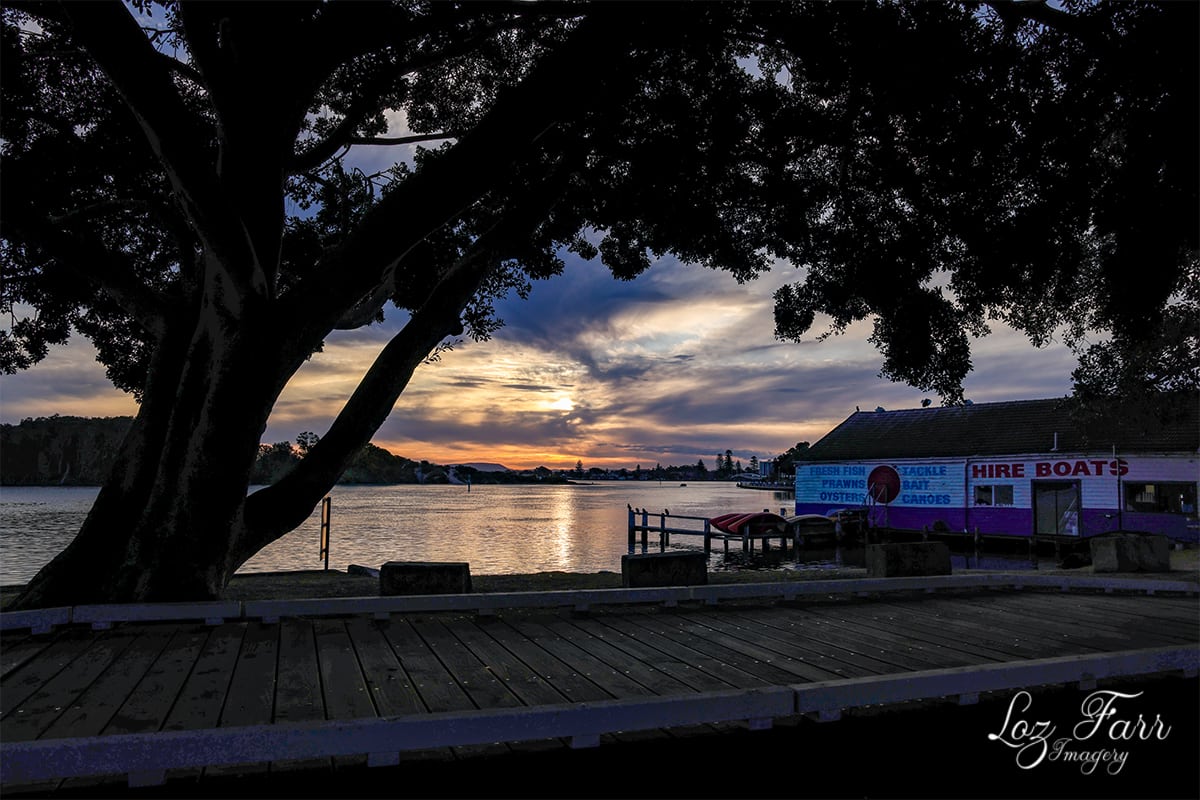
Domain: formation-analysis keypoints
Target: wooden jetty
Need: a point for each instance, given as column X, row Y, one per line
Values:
column 643, row 524
column 156, row 691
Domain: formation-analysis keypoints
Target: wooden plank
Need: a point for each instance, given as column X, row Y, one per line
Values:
column 391, row 688
column 842, row 641
column 607, row 681
column 434, row 684
column 202, row 697
column 1166, row 609
column 872, row 624
column 1046, row 644
column 1122, row 618
column 525, row 684
column 250, row 699
column 827, row 652
column 346, row 693
column 981, row 623
column 24, row 681
column 663, row 673
column 614, row 668
column 39, row 710
column 576, row 685
column 147, row 707
column 662, row 632
column 17, row 649
column 741, row 648
column 438, row 689
column 1003, row 612
column 345, row 690
column 1009, row 645
column 1007, row 611
column 251, row 696
column 485, row 688
column 930, row 636
column 298, row 696
column 95, row 708
column 648, row 651
column 147, row 704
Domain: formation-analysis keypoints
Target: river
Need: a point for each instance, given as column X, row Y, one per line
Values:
column 496, row 529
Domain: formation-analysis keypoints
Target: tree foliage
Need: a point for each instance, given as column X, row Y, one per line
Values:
column 179, row 188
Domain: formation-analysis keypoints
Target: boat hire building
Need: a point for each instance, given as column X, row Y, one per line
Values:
column 1022, row 468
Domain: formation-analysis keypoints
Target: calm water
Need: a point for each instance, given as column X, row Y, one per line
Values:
column 497, row 529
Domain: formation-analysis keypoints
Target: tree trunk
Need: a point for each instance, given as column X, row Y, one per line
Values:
column 168, row 525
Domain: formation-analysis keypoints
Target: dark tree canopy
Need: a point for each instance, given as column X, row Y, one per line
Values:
column 180, row 193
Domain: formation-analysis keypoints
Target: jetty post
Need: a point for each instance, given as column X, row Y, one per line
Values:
column 326, row 514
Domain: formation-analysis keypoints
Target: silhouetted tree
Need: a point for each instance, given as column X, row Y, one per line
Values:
column 179, row 193
column 785, row 463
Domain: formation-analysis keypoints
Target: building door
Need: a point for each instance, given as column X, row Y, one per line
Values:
column 1056, row 508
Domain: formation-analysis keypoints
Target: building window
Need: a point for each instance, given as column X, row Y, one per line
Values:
column 1161, row 498
column 999, row 495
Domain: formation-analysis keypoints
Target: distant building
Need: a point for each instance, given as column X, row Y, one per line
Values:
column 1022, row 468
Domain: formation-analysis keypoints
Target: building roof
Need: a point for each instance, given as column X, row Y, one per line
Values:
column 1010, row 428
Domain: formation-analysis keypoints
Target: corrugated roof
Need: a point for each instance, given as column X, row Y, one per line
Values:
column 1008, row 428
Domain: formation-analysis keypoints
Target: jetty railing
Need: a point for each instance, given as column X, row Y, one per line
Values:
column 643, row 523
column 665, row 529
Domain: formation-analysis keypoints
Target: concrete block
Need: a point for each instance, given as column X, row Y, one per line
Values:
column 1130, row 552
column 902, row 559
column 663, row 569
column 424, row 577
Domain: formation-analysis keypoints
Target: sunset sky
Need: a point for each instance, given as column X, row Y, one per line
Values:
column 676, row 366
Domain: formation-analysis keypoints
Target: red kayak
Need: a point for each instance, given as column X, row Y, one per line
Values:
column 753, row 523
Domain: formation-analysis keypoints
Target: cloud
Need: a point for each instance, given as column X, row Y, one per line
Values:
column 674, row 367
column 69, row 382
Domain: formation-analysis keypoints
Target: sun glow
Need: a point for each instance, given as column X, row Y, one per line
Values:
column 563, row 403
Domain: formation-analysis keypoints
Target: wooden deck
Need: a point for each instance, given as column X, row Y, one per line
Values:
column 147, row 692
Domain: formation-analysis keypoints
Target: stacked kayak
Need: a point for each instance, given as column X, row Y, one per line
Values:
column 755, row 523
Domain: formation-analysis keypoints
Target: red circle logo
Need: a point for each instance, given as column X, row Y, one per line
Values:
column 883, row 484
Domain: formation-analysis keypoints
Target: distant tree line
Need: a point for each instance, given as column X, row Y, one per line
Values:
column 60, row 451
column 79, row 451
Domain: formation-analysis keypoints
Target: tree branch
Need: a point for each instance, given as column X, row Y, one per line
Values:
column 394, row 140
column 267, row 510
column 368, row 100
column 1017, row 11
column 138, row 72
column 434, row 196
column 89, row 262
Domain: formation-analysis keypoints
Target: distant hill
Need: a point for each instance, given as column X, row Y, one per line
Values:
column 60, row 451
column 79, row 451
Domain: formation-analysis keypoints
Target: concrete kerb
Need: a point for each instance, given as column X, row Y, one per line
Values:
column 103, row 616
column 146, row 757
column 827, row 699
